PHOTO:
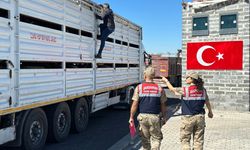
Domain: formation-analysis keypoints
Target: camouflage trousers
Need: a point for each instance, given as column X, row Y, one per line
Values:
column 192, row 126
column 150, row 131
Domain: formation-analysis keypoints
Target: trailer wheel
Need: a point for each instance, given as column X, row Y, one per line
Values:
column 59, row 122
column 80, row 114
column 35, row 130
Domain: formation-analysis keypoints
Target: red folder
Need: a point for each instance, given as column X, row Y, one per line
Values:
column 132, row 130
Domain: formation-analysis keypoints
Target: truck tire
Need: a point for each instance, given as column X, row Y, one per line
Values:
column 35, row 130
column 59, row 122
column 80, row 114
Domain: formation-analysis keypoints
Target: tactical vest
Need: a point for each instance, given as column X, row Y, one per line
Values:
column 149, row 98
column 193, row 101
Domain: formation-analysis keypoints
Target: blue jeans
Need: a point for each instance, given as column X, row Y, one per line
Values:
column 105, row 32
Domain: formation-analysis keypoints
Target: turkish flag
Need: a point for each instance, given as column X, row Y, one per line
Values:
column 226, row 55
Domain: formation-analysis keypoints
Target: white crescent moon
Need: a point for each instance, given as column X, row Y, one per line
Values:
column 199, row 55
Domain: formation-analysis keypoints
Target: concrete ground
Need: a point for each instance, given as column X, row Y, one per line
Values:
column 227, row 130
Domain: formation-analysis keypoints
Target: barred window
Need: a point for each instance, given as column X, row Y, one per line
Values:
column 200, row 26
column 200, row 23
column 228, row 24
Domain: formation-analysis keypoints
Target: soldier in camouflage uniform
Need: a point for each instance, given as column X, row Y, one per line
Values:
column 150, row 98
column 194, row 97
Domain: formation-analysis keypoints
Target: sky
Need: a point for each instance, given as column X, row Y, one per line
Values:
column 160, row 21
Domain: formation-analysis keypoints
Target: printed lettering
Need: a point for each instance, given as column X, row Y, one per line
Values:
column 41, row 37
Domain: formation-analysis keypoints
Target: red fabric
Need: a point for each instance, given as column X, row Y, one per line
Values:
column 225, row 55
column 132, row 130
column 193, row 92
column 150, row 88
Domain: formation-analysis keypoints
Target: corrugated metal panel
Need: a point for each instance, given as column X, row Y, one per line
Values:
column 118, row 31
column 113, row 100
column 4, row 88
column 78, row 48
column 88, row 19
column 134, row 36
column 40, row 43
column 100, row 101
column 7, row 134
column 52, row 10
column 72, row 47
column 87, row 48
column 79, row 81
column 121, row 76
column 72, row 15
column 5, row 39
column 133, row 55
column 104, row 77
column 120, row 53
column 5, row 4
column 125, row 33
column 37, row 85
column 108, row 51
column 133, row 75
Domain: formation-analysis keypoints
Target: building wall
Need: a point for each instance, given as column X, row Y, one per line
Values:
column 227, row 89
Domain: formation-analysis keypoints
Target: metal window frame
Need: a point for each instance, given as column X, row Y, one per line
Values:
column 200, row 32
column 229, row 30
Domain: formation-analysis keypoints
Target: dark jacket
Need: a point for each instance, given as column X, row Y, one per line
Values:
column 108, row 19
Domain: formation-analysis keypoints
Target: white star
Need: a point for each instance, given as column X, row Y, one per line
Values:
column 220, row 56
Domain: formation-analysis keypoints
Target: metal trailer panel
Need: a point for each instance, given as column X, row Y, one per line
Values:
column 104, row 78
column 79, row 81
column 52, row 10
column 107, row 53
column 118, row 31
column 38, row 85
column 4, row 88
column 125, row 33
column 7, row 134
column 121, row 76
column 72, row 47
column 40, row 43
column 5, row 39
column 88, row 19
column 5, row 4
column 87, row 48
column 161, row 65
column 133, row 55
column 134, row 36
column 72, row 15
column 100, row 101
column 120, row 54
column 133, row 75
column 114, row 100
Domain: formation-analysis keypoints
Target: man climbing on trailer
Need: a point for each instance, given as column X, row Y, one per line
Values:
column 107, row 27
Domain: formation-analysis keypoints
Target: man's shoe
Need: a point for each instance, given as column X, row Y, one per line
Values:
column 98, row 56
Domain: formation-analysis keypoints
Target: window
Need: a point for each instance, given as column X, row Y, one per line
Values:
column 86, row 33
column 78, row 65
column 72, row 30
column 118, row 42
column 40, row 22
column 228, row 24
column 200, row 26
column 4, row 13
column 133, row 45
column 40, row 65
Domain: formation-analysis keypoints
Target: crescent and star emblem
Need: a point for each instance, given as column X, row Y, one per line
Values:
column 200, row 52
